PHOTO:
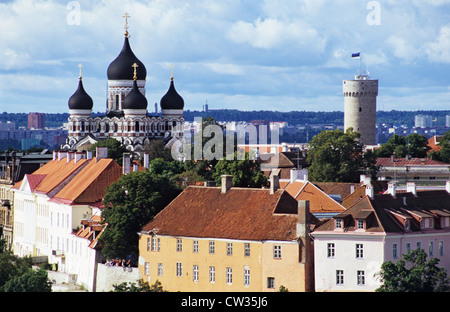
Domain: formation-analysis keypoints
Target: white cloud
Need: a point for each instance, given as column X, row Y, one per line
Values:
column 439, row 50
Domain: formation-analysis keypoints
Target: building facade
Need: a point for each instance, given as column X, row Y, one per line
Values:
column 127, row 119
column 229, row 239
column 350, row 248
column 360, row 105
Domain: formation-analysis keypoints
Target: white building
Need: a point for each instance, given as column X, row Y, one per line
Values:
column 52, row 203
column 350, row 248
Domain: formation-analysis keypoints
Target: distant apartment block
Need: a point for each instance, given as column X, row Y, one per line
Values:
column 36, row 121
column 423, row 121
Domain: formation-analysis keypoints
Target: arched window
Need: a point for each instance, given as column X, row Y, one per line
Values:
column 117, row 102
column 136, row 126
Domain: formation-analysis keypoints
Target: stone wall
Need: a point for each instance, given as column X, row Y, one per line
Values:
column 107, row 276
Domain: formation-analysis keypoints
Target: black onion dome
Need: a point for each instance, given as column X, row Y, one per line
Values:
column 135, row 99
column 80, row 99
column 172, row 100
column 121, row 68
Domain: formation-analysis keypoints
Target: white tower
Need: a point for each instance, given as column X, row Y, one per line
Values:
column 360, row 106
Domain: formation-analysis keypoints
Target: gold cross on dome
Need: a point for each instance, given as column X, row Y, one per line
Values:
column 126, row 23
column 80, row 66
column 135, row 66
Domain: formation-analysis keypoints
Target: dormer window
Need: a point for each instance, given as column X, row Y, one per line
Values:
column 338, row 224
column 360, row 224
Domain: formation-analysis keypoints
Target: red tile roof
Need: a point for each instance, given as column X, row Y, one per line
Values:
column 400, row 162
column 240, row 213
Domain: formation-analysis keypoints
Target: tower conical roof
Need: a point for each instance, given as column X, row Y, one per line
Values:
column 80, row 99
column 172, row 100
column 119, row 69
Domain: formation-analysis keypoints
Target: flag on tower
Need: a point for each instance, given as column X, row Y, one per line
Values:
column 356, row 54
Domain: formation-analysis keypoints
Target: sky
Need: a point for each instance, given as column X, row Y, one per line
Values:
column 279, row 55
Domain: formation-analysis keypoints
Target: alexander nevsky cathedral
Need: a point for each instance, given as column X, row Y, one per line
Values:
column 127, row 119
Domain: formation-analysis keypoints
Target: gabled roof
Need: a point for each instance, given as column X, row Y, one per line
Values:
column 81, row 182
column 89, row 185
column 401, row 162
column 388, row 210
column 319, row 202
column 240, row 213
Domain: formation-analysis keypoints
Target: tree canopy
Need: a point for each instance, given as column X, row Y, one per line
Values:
column 415, row 145
column 130, row 203
column 413, row 273
column 337, row 156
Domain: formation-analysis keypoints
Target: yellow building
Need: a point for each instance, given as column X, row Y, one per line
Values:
column 229, row 239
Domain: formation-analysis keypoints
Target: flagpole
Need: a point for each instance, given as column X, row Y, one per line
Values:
column 360, row 63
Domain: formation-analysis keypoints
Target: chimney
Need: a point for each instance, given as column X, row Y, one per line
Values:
column 392, row 188
column 102, row 152
column 364, row 179
column 70, row 156
column 55, row 155
column 88, row 154
column 411, row 188
column 274, row 183
column 146, row 160
column 126, row 163
column 294, row 175
column 369, row 190
column 62, row 154
column 227, row 182
column 78, row 156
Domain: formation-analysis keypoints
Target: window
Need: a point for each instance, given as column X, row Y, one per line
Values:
column 247, row 249
column 330, row 250
column 359, row 251
column 271, row 282
column 179, row 245
column 153, row 243
column 246, row 276
column 360, row 224
column 195, row 246
column 408, row 247
column 277, row 251
column 361, row 278
column 229, row 276
column 430, row 249
column 160, row 269
column 229, row 249
column 148, row 244
column 338, row 223
column 179, row 269
column 419, row 245
column 394, row 251
column 147, row 268
column 339, row 277
column 212, row 247
column 441, row 248
column 212, row 274
column 195, row 273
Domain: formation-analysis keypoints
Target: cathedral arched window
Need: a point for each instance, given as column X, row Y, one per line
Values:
column 117, row 102
column 136, row 126
column 116, row 127
column 107, row 127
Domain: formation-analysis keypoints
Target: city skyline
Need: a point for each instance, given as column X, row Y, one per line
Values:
column 248, row 55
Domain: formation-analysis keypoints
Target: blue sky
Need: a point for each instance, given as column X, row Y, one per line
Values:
column 280, row 55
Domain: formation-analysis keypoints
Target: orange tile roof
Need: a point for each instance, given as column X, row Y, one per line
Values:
column 399, row 162
column 240, row 213
column 89, row 185
column 319, row 202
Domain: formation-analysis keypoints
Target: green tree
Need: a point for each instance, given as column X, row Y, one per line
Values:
column 335, row 156
column 245, row 172
column 413, row 273
column 130, row 203
column 140, row 287
column 444, row 153
column 156, row 149
column 115, row 149
column 415, row 145
column 30, row 281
